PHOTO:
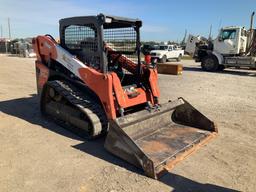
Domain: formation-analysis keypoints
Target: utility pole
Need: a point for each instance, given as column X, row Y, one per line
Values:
column 6, row 46
column 9, row 28
column 1, row 31
column 220, row 23
column 210, row 33
column 184, row 39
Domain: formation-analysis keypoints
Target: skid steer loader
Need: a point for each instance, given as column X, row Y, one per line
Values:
column 94, row 83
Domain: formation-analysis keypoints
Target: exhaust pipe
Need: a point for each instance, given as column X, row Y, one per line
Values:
column 252, row 18
column 250, row 36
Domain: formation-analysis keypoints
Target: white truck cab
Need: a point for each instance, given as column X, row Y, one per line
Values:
column 165, row 52
column 231, row 41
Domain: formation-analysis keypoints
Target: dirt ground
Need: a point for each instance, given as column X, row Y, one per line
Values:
column 37, row 155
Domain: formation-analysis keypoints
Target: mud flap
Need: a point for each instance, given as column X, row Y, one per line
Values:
column 156, row 140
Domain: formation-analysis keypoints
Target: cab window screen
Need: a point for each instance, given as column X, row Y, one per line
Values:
column 81, row 37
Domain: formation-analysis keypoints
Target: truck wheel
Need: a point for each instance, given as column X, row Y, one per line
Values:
column 164, row 59
column 209, row 63
column 179, row 58
column 221, row 67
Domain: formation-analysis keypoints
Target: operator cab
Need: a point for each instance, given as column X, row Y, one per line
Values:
column 231, row 41
column 100, row 42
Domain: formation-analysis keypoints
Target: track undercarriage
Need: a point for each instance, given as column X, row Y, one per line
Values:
column 73, row 109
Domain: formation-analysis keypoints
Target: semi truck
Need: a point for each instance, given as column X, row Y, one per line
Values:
column 234, row 47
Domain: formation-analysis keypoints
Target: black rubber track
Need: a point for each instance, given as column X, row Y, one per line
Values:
column 83, row 102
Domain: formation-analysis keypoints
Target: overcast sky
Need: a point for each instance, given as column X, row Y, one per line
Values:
column 162, row 20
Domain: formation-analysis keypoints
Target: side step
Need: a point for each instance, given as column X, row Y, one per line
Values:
column 155, row 141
